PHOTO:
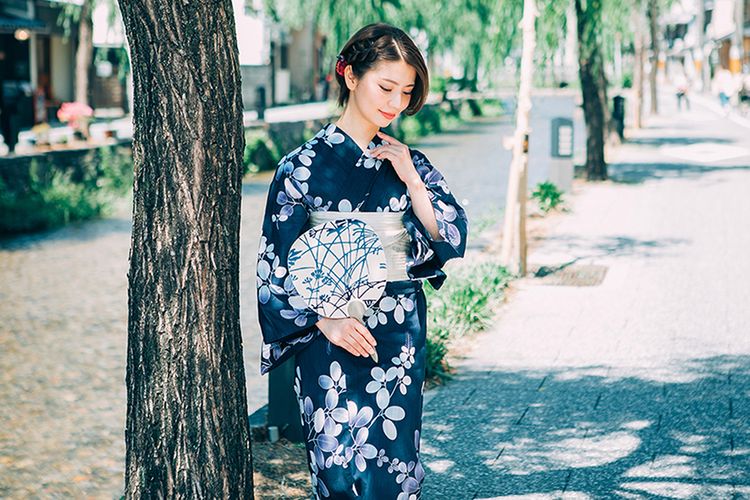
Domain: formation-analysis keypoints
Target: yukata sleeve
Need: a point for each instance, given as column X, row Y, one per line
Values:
column 284, row 317
column 427, row 256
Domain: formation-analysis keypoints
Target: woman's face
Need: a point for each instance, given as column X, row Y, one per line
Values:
column 383, row 92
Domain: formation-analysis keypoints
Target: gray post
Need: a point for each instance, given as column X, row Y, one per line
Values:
column 283, row 408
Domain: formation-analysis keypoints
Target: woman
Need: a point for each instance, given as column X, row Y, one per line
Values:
column 361, row 417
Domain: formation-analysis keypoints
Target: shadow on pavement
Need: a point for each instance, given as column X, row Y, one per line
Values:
column 675, row 141
column 613, row 246
column 592, row 432
column 636, row 173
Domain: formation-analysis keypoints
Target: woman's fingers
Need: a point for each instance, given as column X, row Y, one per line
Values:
column 363, row 343
column 388, row 138
column 350, row 347
column 357, row 342
column 365, row 332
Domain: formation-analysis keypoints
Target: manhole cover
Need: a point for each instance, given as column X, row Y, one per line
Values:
column 572, row 275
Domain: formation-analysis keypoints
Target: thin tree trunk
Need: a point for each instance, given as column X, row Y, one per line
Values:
column 84, row 52
column 638, row 70
column 590, row 72
column 187, row 433
column 701, row 65
column 653, row 17
column 513, row 251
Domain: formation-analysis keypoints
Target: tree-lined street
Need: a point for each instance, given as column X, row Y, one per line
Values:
column 626, row 373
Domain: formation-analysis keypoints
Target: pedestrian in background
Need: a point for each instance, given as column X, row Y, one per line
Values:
column 682, row 86
column 724, row 87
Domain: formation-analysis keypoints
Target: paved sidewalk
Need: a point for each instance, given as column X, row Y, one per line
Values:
column 636, row 387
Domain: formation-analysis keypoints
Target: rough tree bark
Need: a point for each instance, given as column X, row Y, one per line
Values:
column 591, row 73
column 187, row 432
column 84, row 51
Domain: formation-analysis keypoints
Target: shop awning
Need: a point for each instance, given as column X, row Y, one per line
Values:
column 9, row 24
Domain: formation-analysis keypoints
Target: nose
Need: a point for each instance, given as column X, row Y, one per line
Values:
column 396, row 100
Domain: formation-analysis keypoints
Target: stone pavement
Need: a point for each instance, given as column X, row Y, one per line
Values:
column 627, row 373
column 63, row 328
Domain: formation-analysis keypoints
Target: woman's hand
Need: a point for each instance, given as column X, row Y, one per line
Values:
column 349, row 334
column 400, row 158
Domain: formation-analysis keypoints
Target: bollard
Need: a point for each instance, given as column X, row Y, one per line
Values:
column 283, row 408
column 618, row 115
column 260, row 101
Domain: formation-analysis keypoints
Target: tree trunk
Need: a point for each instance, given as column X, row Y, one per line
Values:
column 514, row 249
column 638, row 71
column 590, row 70
column 653, row 17
column 84, row 52
column 187, row 432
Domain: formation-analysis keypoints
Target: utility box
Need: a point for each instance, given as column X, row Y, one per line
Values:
column 555, row 140
column 562, row 137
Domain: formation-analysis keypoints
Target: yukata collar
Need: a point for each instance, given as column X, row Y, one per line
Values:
column 349, row 149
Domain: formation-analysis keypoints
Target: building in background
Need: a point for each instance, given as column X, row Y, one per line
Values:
column 279, row 65
column 37, row 62
column 36, row 65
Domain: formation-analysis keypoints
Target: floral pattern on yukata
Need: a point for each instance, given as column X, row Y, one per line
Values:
column 362, row 419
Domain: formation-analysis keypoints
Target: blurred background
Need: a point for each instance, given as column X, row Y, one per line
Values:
column 66, row 97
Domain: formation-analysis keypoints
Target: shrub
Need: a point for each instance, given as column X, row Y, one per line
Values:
column 260, row 152
column 54, row 194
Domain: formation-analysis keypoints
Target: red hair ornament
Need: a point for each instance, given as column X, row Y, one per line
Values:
column 341, row 65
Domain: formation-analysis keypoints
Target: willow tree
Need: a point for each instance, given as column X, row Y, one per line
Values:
column 187, row 433
column 481, row 33
column 593, row 85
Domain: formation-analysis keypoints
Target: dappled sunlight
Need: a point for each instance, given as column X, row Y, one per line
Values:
column 527, row 455
column 676, row 489
column 596, row 432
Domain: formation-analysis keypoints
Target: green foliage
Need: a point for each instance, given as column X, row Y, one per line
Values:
column 261, row 153
column 445, row 116
column 463, row 304
column 54, row 195
column 547, row 195
column 479, row 32
column 627, row 80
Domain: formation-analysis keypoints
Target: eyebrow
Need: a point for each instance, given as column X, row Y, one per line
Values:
column 396, row 83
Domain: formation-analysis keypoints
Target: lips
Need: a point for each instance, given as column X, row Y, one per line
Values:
column 387, row 115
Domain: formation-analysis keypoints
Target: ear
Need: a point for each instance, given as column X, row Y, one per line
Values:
column 350, row 78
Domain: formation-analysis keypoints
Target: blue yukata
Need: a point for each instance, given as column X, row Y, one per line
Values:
column 361, row 419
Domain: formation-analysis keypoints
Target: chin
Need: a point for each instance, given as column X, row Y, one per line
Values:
column 382, row 120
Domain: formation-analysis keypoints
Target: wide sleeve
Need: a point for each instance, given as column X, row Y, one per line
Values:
column 427, row 256
column 284, row 316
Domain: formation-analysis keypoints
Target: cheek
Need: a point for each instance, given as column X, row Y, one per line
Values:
column 405, row 102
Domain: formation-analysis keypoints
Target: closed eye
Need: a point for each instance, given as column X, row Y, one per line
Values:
column 388, row 90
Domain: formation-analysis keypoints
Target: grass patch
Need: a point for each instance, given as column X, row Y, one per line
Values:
column 464, row 304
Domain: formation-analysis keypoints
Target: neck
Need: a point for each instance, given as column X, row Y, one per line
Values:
column 357, row 127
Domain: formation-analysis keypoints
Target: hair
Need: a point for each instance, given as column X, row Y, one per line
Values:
column 382, row 42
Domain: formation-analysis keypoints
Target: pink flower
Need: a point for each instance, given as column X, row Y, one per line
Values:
column 73, row 112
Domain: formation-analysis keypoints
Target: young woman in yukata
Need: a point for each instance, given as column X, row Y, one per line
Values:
column 361, row 417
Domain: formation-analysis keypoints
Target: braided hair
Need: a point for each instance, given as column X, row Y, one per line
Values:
column 382, row 42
